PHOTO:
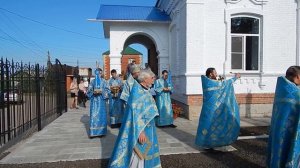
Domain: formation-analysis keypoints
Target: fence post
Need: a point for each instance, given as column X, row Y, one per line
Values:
column 7, row 99
column 2, row 127
column 38, row 95
column 12, row 78
column 58, row 89
column 65, row 87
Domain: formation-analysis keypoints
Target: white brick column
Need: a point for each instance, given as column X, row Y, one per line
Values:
column 115, row 61
column 195, row 35
column 163, row 62
column 116, row 44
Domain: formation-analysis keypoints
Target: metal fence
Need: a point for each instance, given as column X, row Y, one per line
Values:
column 31, row 96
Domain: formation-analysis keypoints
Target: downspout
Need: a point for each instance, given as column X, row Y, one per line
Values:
column 261, row 64
column 298, row 35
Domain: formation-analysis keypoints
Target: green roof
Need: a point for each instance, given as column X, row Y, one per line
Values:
column 106, row 52
column 128, row 51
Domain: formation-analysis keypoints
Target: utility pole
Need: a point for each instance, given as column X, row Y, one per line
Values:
column 77, row 69
column 49, row 60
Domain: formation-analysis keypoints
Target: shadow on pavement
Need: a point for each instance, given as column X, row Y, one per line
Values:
column 258, row 147
column 254, row 131
column 255, row 121
column 106, row 142
column 85, row 119
column 181, row 136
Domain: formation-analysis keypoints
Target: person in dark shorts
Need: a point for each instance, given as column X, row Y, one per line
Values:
column 74, row 93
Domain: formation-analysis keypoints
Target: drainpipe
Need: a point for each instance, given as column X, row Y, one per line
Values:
column 298, row 34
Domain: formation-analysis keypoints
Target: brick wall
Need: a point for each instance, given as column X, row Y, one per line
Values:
column 106, row 64
column 251, row 105
column 124, row 63
column 258, row 98
column 254, row 98
column 194, row 100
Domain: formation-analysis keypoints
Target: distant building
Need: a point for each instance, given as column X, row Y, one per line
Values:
column 85, row 72
column 128, row 55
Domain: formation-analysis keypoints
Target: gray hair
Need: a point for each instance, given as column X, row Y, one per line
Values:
column 134, row 68
column 144, row 74
column 150, row 71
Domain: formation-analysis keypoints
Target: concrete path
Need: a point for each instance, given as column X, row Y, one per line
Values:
column 66, row 139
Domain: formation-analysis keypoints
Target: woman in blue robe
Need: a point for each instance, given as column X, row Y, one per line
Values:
column 115, row 104
column 219, row 122
column 137, row 144
column 164, row 89
column 98, row 93
column 284, row 136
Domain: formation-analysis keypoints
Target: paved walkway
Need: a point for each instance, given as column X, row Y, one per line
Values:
column 66, row 139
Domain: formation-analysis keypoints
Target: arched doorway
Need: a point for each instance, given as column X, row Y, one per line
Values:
column 149, row 43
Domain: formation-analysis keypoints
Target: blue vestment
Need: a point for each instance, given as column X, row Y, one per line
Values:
column 139, row 116
column 115, row 104
column 219, row 122
column 127, row 88
column 284, row 136
column 163, row 102
column 98, row 120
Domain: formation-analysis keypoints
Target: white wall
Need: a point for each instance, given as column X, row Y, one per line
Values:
column 204, row 42
column 280, row 36
column 178, row 36
column 120, row 32
column 199, row 37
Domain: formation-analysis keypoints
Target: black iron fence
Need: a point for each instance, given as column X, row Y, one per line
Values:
column 31, row 96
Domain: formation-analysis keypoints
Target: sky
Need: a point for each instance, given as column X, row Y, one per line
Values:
column 31, row 28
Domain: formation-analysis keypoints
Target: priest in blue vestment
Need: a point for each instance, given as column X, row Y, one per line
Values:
column 164, row 88
column 98, row 93
column 284, row 137
column 137, row 145
column 115, row 104
column 219, row 122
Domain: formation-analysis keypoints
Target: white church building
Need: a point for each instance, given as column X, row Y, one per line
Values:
column 257, row 38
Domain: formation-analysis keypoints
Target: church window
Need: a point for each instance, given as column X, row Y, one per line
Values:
column 245, row 43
